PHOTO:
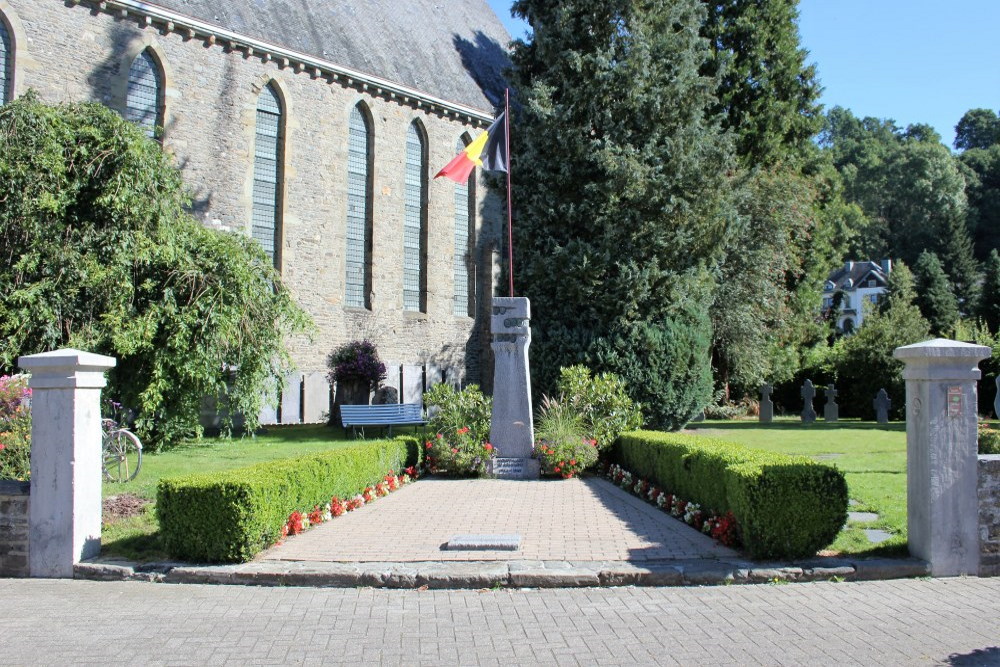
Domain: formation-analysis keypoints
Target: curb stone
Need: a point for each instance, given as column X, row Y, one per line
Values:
column 508, row 574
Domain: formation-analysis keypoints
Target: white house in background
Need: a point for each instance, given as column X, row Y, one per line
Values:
column 860, row 285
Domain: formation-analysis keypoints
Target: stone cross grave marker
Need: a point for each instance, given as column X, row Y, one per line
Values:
column 766, row 414
column 808, row 393
column 512, row 431
column 996, row 401
column 882, row 403
column 831, row 411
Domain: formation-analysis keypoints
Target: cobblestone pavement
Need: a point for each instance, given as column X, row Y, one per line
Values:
column 619, row 526
column 900, row 622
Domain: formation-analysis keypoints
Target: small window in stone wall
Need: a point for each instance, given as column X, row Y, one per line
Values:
column 144, row 97
column 265, row 225
column 359, row 196
column 6, row 64
column 415, row 223
column 465, row 217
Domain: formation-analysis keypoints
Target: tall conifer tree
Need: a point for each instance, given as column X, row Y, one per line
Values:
column 620, row 181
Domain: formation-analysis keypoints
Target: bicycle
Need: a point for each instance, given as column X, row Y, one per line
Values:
column 121, row 452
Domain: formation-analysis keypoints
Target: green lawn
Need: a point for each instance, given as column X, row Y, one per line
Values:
column 138, row 537
column 872, row 457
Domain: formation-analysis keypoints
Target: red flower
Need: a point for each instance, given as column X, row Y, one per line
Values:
column 572, row 462
column 454, row 450
column 429, row 445
column 556, row 469
column 2, row 447
column 488, row 447
column 463, row 430
column 440, row 436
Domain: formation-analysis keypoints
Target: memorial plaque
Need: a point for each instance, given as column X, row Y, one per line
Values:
column 508, row 468
column 504, row 542
column 954, row 401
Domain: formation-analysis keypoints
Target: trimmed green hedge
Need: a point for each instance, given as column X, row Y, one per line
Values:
column 787, row 506
column 233, row 515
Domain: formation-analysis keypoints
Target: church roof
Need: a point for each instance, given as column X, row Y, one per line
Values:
column 452, row 49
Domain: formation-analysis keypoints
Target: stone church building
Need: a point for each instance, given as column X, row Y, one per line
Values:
column 315, row 126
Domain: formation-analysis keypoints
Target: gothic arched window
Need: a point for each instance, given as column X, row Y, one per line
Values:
column 267, row 173
column 359, row 206
column 415, row 222
column 144, row 97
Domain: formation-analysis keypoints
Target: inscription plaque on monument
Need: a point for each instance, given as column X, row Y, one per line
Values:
column 511, row 428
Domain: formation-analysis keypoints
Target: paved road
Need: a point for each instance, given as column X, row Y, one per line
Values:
column 901, row 622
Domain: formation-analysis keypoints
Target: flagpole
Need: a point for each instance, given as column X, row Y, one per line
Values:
column 510, row 232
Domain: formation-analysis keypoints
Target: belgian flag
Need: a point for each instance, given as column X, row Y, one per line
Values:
column 488, row 151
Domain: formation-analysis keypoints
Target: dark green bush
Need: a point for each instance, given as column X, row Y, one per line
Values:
column 787, row 506
column 233, row 515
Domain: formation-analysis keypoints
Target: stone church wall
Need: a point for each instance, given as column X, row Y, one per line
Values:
column 76, row 51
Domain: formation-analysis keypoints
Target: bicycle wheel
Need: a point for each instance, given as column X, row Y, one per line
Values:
column 122, row 456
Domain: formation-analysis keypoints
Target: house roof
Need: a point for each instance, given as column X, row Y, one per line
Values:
column 852, row 275
column 453, row 49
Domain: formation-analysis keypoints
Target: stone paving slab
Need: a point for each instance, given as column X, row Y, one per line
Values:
column 586, row 519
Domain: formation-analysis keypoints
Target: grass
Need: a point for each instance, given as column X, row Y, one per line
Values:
column 872, row 457
column 138, row 538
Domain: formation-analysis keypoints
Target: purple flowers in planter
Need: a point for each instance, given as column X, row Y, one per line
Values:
column 357, row 360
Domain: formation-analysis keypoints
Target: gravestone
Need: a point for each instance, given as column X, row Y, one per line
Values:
column 413, row 384
column 316, row 398
column 808, row 392
column 882, row 404
column 831, row 411
column 511, row 429
column 766, row 414
column 393, row 377
column 291, row 399
column 385, row 395
column 996, row 401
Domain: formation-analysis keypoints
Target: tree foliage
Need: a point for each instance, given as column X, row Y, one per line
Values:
column 99, row 254
column 622, row 207
column 988, row 308
column 767, row 95
column 978, row 128
column 982, row 171
column 934, row 296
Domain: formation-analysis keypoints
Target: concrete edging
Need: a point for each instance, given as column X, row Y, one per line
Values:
column 503, row 574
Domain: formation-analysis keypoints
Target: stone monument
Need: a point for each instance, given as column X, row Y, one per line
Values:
column 808, row 393
column 882, row 403
column 996, row 401
column 942, row 505
column 831, row 411
column 512, row 431
column 766, row 414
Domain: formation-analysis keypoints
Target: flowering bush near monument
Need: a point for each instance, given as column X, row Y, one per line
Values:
column 356, row 361
column 460, row 422
column 15, row 428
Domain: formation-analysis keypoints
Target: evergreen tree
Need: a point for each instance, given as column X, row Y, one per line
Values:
column 901, row 288
column 982, row 176
column 934, row 296
column 989, row 300
column 621, row 182
column 767, row 94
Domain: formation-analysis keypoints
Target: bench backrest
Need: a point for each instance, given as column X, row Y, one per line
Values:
column 381, row 414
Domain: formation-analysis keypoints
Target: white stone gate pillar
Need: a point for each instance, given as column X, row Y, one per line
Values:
column 65, row 512
column 942, row 507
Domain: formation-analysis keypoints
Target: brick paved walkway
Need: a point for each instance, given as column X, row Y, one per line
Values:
column 901, row 622
column 570, row 520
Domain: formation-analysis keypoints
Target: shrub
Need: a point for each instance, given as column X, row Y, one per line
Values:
column 15, row 428
column 461, row 423
column 102, row 255
column 231, row 516
column 989, row 439
column 357, row 360
column 787, row 507
column 562, row 447
column 601, row 401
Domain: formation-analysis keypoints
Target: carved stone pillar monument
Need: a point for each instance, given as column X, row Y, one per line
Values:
column 512, row 431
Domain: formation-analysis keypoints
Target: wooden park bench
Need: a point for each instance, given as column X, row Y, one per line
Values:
column 356, row 417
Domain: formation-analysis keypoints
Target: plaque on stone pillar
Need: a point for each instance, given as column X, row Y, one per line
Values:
column 831, row 411
column 808, row 393
column 766, row 414
column 511, row 427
